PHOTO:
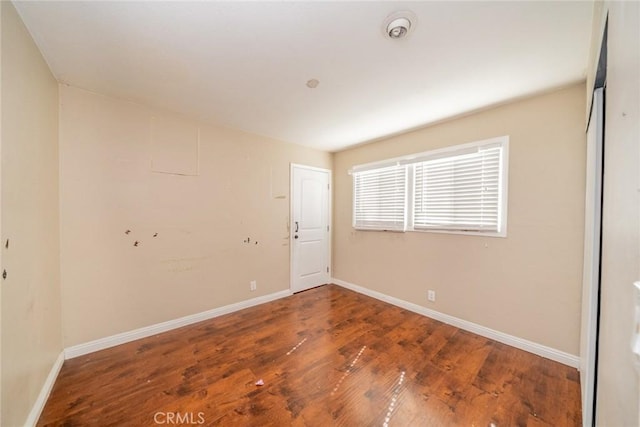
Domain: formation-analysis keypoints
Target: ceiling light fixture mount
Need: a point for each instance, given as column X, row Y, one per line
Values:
column 399, row 25
column 313, row 83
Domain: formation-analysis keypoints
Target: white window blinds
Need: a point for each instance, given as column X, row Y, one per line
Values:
column 459, row 192
column 459, row 189
column 380, row 198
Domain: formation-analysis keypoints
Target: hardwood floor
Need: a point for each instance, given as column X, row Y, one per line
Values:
column 327, row 356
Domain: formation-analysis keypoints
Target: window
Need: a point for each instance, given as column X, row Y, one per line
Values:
column 460, row 189
column 460, row 192
column 380, row 198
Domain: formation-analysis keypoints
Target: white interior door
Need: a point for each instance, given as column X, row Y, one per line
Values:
column 310, row 235
column 591, row 272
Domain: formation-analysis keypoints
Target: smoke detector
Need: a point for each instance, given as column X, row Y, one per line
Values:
column 398, row 25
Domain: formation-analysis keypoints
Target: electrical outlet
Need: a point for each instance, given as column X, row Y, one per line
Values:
column 253, row 285
column 431, row 295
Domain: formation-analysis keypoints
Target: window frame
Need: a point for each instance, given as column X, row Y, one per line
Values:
column 451, row 151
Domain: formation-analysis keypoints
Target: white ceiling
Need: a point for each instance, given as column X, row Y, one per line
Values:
column 245, row 64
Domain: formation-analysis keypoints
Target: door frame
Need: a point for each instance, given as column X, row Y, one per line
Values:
column 590, row 331
column 590, row 306
column 329, row 218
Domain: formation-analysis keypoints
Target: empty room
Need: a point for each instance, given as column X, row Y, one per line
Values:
column 319, row 213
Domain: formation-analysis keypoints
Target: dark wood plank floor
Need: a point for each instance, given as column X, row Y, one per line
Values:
column 327, row 356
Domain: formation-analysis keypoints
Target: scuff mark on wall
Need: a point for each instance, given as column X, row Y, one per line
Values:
column 178, row 265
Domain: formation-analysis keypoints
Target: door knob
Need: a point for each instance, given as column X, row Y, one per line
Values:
column 295, row 236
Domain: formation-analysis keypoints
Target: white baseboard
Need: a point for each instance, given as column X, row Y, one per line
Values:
column 526, row 345
column 125, row 337
column 38, row 406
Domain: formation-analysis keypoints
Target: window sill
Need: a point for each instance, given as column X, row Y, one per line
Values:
column 468, row 233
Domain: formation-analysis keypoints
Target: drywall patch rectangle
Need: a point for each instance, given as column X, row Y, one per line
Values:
column 279, row 180
column 175, row 146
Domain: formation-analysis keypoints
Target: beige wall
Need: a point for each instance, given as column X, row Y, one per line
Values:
column 1, row 15
column 198, row 261
column 618, row 391
column 528, row 284
column 31, row 319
